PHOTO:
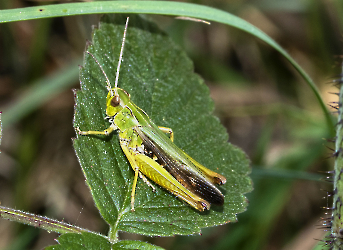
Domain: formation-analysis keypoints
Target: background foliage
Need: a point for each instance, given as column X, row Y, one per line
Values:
column 268, row 111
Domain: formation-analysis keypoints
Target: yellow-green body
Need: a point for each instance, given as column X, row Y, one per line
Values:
column 153, row 154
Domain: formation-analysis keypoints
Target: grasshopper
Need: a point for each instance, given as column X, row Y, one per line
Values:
column 151, row 152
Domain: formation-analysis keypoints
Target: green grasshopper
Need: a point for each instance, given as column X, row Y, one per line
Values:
column 153, row 154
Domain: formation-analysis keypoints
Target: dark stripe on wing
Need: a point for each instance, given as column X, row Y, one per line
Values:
column 196, row 184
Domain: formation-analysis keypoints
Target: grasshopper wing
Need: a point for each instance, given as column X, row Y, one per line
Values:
column 177, row 163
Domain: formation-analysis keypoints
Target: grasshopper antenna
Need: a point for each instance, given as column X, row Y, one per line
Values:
column 119, row 63
column 120, row 57
column 107, row 80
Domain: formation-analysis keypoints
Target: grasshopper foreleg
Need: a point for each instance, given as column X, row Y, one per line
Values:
column 107, row 131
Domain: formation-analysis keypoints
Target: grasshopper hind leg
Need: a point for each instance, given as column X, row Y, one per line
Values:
column 131, row 146
column 167, row 131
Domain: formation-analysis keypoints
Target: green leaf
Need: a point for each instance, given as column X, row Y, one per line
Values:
column 130, row 244
column 82, row 241
column 89, row 241
column 160, row 78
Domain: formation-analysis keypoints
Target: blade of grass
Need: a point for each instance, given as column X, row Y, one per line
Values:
column 39, row 221
column 40, row 92
column 163, row 8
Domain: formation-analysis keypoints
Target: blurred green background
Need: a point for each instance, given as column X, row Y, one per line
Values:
column 267, row 108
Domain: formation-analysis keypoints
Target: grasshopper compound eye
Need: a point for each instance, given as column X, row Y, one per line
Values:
column 115, row 101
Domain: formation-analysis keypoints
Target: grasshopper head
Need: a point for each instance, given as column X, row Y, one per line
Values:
column 116, row 100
